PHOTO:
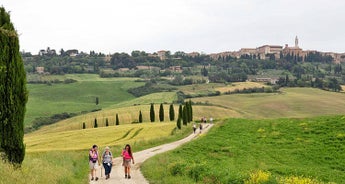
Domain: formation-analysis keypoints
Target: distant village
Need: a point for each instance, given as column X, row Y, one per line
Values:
column 262, row 52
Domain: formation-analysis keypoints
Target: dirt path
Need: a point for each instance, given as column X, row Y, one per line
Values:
column 117, row 173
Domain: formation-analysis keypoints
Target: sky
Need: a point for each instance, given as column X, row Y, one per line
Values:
column 206, row 26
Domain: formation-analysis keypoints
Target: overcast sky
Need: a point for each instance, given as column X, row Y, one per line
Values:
column 207, row 26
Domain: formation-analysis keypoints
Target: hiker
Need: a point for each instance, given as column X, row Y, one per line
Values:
column 200, row 127
column 107, row 158
column 128, row 157
column 211, row 120
column 194, row 127
column 94, row 162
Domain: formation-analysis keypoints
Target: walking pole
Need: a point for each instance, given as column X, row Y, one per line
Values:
column 101, row 172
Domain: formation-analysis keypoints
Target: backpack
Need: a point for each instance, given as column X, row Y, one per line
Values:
column 94, row 160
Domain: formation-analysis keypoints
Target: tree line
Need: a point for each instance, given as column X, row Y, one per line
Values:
column 185, row 115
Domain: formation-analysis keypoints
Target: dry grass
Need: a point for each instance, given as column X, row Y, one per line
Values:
column 104, row 136
column 240, row 85
column 292, row 102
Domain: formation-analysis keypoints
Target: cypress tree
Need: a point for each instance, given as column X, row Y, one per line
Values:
column 95, row 123
column 178, row 123
column 161, row 113
column 140, row 117
column 84, row 126
column 117, row 119
column 187, row 112
column 106, row 122
column 13, row 93
column 180, row 111
column 152, row 113
column 97, row 101
column 190, row 111
column 171, row 112
column 184, row 115
column 179, row 117
column 188, row 108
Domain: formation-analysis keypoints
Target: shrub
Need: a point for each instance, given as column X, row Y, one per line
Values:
column 177, row 169
column 196, row 172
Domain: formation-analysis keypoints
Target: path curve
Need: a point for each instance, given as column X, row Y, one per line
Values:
column 117, row 173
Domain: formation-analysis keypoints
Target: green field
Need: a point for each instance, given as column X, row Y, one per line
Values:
column 47, row 100
column 242, row 150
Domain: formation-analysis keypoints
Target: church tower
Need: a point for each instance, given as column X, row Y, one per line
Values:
column 296, row 42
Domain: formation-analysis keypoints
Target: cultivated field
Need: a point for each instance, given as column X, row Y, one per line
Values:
column 291, row 102
column 104, row 136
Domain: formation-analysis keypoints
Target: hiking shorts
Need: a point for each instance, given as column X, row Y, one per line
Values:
column 93, row 165
column 127, row 163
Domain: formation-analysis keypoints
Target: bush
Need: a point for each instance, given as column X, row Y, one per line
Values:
column 177, row 169
column 196, row 172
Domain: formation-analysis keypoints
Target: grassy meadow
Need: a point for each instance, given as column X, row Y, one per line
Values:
column 47, row 100
column 296, row 151
column 54, row 167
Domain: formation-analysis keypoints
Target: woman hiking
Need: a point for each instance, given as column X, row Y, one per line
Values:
column 127, row 158
column 107, row 160
column 93, row 162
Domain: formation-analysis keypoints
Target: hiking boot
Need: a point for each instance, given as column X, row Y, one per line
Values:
column 125, row 175
column 91, row 178
column 96, row 179
column 129, row 176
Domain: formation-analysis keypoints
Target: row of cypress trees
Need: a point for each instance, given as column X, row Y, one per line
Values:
column 161, row 113
column 95, row 124
column 185, row 115
column 13, row 93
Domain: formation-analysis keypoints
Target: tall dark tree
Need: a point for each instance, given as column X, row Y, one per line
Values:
column 190, row 111
column 106, row 122
column 117, row 119
column 204, row 71
column 161, row 113
column 171, row 112
column 140, row 117
column 180, row 110
column 184, row 115
column 84, row 126
column 179, row 117
column 286, row 80
column 95, row 123
column 97, row 100
column 178, row 123
column 187, row 112
column 152, row 113
column 13, row 92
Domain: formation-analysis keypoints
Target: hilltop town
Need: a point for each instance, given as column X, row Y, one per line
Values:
column 262, row 52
